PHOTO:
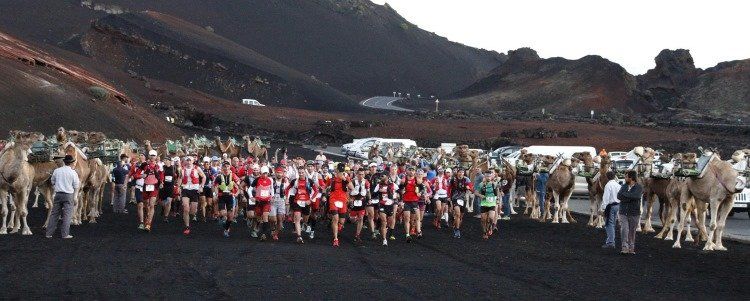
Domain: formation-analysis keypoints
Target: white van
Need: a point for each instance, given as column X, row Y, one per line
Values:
column 360, row 148
column 567, row 152
column 252, row 102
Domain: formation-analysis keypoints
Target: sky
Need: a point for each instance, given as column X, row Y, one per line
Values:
column 630, row 33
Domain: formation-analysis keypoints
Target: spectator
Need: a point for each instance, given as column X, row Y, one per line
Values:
column 630, row 209
column 610, row 207
column 119, row 175
column 66, row 183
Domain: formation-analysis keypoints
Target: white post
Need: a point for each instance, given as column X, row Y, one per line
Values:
column 437, row 102
column 394, row 94
column 542, row 111
column 592, row 114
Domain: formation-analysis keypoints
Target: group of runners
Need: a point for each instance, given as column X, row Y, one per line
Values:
column 373, row 196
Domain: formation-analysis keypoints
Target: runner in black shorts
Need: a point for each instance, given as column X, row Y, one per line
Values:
column 191, row 180
column 386, row 193
column 225, row 184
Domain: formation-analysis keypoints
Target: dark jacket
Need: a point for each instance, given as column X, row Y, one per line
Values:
column 630, row 199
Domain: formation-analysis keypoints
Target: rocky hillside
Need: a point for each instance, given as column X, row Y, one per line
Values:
column 354, row 46
column 675, row 82
column 159, row 46
column 527, row 82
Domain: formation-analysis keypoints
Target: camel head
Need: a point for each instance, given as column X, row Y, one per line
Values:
column 96, row 138
column 527, row 158
column 639, row 150
column 77, row 137
column 689, row 160
column 585, row 157
column 605, row 160
column 61, row 136
column 25, row 138
column 738, row 156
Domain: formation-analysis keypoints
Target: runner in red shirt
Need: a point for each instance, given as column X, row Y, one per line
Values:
column 191, row 180
column 153, row 180
column 338, row 187
column 263, row 190
column 299, row 195
column 411, row 189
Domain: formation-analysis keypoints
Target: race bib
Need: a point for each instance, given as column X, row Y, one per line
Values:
column 389, row 202
column 460, row 202
column 265, row 193
column 149, row 187
column 167, row 178
column 492, row 199
column 373, row 201
column 357, row 203
column 302, row 203
column 251, row 201
column 192, row 186
column 338, row 204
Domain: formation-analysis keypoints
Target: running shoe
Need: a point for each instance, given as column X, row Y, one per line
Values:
column 300, row 240
column 335, row 242
column 413, row 231
column 506, row 218
column 312, row 234
column 254, row 234
column 374, row 235
column 489, row 233
column 408, row 238
column 186, row 231
column 485, row 237
column 166, row 220
column 275, row 236
column 419, row 234
column 459, row 233
column 263, row 237
column 307, row 229
column 357, row 239
column 385, row 242
column 141, row 226
column 455, row 233
column 393, row 237
column 147, row 228
column 195, row 218
column 226, row 233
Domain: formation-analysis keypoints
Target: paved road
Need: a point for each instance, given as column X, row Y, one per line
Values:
column 737, row 227
column 383, row 103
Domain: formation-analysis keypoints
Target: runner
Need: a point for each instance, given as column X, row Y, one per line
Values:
column 299, row 195
column 359, row 190
column 137, row 175
column 488, row 192
column 371, row 208
column 250, row 217
column 411, row 190
column 192, row 179
column 460, row 185
column 207, row 194
column 424, row 199
column 153, row 180
column 263, row 189
column 279, row 202
column 315, row 179
column 167, row 190
column 386, row 194
column 226, row 188
column 337, row 202
column 440, row 186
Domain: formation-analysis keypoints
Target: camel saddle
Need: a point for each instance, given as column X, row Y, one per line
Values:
column 588, row 175
column 699, row 170
column 42, row 151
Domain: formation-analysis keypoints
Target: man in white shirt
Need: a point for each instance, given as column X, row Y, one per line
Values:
column 66, row 183
column 610, row 208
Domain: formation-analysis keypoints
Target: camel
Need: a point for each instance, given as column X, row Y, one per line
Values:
column 561, row 184
column 42, row 175
column 596, row 186
column 530, row 195
column 94, row 189
column 16, row 179
column 230, row 147
column 257, row 148
column 653, row 188
column 83, row 168
column 677, row 186
column 716, row 188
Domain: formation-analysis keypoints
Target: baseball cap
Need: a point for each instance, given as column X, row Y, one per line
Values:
column 373, row 164
column 279, row 169
column 206, row 159
column 264, row 169
column 448, row 170
column 153, row 153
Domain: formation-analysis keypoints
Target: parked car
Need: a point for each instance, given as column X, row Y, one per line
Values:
column 741, row 202
column 252, row 102
column 504, row 151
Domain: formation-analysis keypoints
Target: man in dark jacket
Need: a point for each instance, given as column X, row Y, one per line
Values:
column 630, row 209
